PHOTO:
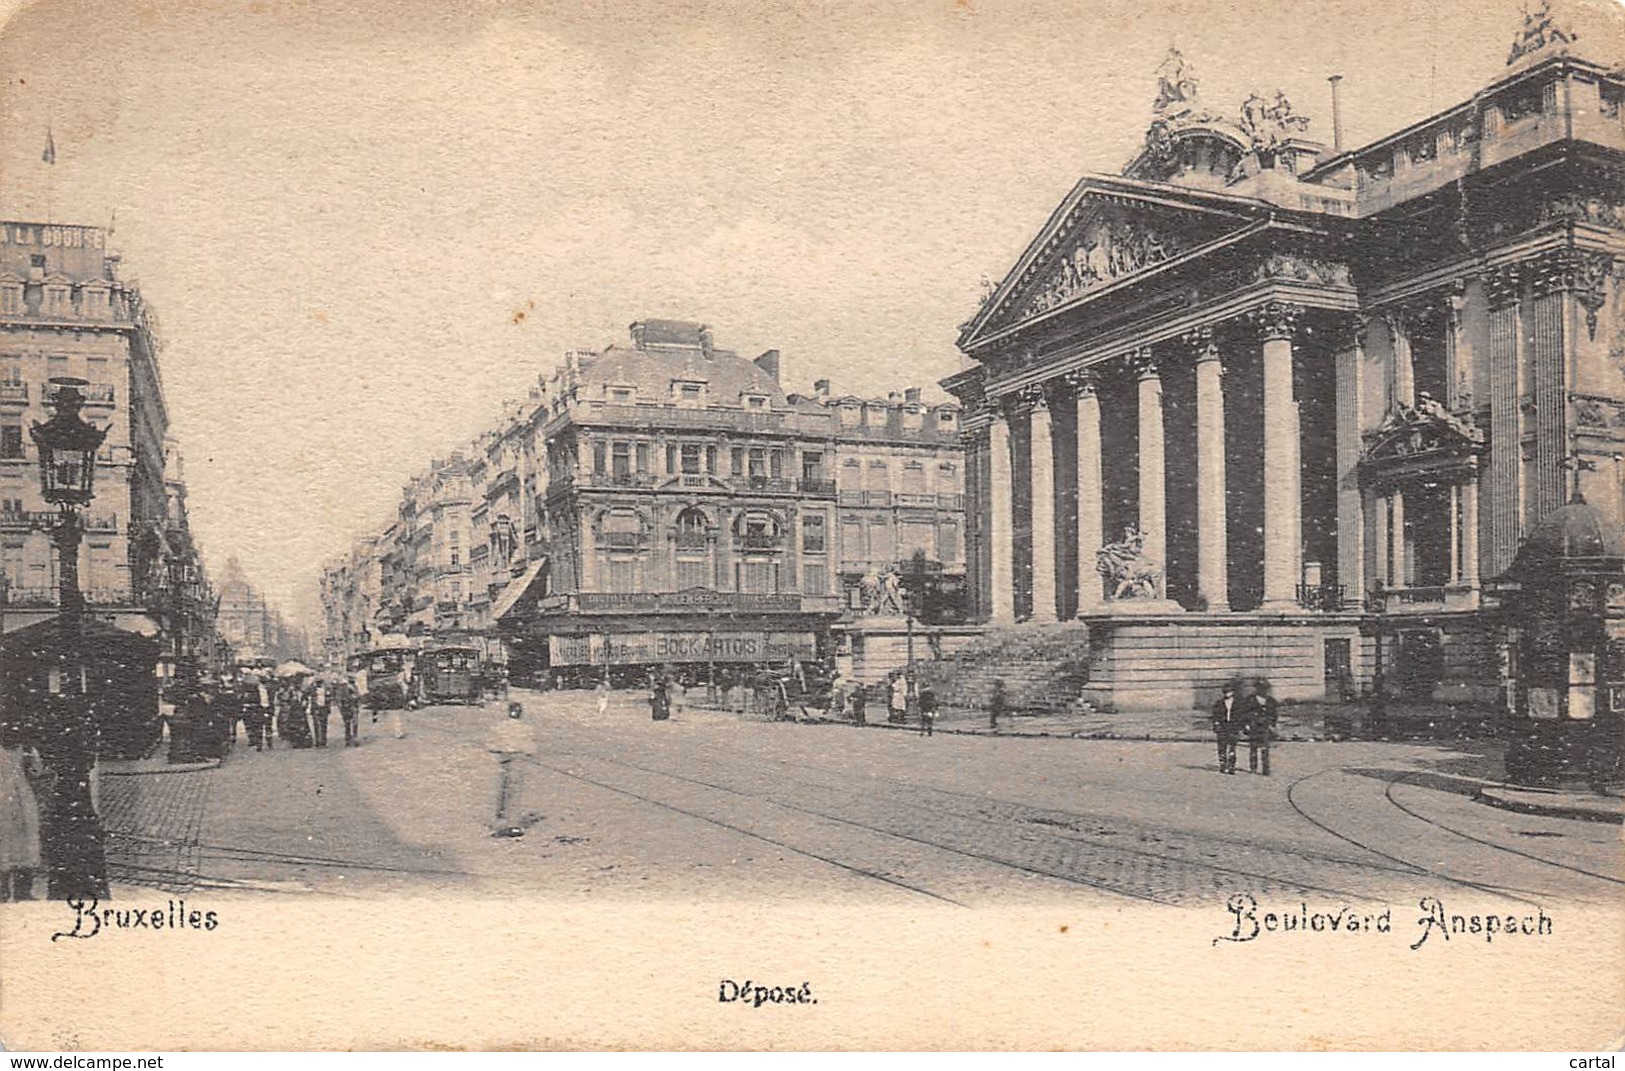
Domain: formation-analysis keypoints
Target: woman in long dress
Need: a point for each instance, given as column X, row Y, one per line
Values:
column 19, row 821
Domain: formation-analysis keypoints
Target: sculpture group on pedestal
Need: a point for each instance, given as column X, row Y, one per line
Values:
column 882, row 593
column 1126, row 567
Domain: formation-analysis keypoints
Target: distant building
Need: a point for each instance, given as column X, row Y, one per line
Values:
column 249, row 624
column 667, row 503
column 65, row 312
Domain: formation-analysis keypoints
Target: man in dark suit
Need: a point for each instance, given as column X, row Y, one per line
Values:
column 1227, row 724
column 1261, row 714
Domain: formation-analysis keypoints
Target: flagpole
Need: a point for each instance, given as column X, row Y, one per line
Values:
column 49, row 159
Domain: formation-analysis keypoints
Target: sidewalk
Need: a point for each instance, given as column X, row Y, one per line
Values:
column 1555, row 803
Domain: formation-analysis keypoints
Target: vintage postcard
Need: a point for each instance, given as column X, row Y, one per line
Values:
column 704, row 524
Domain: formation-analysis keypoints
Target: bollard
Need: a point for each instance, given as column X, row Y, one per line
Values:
column 516, row 710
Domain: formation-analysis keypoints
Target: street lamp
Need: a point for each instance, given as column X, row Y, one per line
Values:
column 67, row 454
column 67, row 463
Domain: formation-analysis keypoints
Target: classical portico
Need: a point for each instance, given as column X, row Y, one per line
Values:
column 1219, row 422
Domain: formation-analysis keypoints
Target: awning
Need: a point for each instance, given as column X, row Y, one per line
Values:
column 516, row 590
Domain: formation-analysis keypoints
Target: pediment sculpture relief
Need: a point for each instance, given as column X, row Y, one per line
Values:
column 1108, row 249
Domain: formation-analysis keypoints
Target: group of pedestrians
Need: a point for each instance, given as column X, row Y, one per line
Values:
column 204, row 714
column 48, row 800
column 1251, row 711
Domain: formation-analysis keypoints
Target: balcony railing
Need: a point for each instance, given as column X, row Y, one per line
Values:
column 761, row 541
column 816, row 485
column 950, row 501
column 13, row 392
column 663, row 416
column 693, row 541
column 618, row 479
column 1325, row 598
column 771, row 485
column 95, row 393
column 877, row 498
column 45, row 519
column 1426, row 596
column 913, row 498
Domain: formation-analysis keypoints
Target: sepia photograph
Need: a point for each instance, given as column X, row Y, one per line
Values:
column 812, row 525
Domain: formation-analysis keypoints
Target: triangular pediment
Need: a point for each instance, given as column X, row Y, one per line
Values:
column 1107, row 233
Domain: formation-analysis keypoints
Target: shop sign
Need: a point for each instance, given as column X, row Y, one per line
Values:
column 688, row 599
column 685, row 645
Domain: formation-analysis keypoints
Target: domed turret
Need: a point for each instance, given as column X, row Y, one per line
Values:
column 1574, row 531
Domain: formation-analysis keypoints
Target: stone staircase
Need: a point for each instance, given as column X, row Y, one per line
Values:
column 1043, row 667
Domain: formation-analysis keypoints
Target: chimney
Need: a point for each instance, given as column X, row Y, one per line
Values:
column 911, row 395
column 769, row 363
column 1337, row 113
column 640, row 332
column 891, row 397
column 707, row 346
column 820, row 388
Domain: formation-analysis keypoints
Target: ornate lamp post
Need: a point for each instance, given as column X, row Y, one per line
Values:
column 67, row 461
column 67, row 452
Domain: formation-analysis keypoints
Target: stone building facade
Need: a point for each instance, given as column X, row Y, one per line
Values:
column 1257, row 405
column 65, row 312
column 667, row 502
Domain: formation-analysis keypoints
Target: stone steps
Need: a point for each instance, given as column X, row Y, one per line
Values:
column 1043, row 668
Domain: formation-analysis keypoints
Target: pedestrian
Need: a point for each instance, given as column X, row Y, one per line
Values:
column 899, row 699
column 928, row 710
column 267, row 700
column 320, row 711
column 603, row 696
column 514, row 744
column 247, row 699
column 1228, row 716
column 676, row 696
column 658, row 700
column 837, row 697
column 998, row 704
column 20, row 768
column 1261, row 716
column 860, row 700
column 350, row 714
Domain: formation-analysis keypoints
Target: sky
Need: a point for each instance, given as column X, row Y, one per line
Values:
column 365, row 225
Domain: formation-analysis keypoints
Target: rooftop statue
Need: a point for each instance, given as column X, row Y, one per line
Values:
column 1540, row 30
column 1269, row 123
column 1176, row 88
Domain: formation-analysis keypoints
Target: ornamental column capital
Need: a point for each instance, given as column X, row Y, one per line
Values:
column 1083, row 382
column 1503, row 284
column 1145, row 363
column 1276, row 321
column 1034, row 398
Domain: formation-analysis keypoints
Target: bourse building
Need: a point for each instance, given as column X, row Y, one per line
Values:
column 1260, row 407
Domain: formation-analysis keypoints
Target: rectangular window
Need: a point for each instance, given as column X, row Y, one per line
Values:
column 775, row 461
column 643, row 459
column 758, row 463
column 11, row 439
column 621, row 460
column 852, row 540
column 812, row 533
column 948, row 541
column 812, row 466
column 710, row 460
column 691, row 459
column 736, row 461
column 913, row 478
column 671, row 459
column 695, row 573
column 815, row 579
column 622, row 575
column 598, row 458
column 758, row 578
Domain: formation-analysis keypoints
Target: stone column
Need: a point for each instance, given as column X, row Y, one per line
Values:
column 1402, row 381
column 1153, row 475
column 1398, row 558
column 1469, row 531
column 1350, row 500
column 1378, row 511
column 1042, row 451
column 1283, row 550
column 1001, row 580
column 1212, row 518
column 1503, row 288
column 1091, row 526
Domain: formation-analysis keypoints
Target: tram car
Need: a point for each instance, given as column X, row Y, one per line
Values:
column 389, row 676
column 449, row 675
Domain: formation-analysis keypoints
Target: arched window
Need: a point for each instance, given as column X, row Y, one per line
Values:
column 693, row 527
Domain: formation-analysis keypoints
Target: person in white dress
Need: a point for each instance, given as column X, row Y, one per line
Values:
column 19, row 820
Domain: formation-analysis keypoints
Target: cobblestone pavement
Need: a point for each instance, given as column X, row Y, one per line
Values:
column 709, row 806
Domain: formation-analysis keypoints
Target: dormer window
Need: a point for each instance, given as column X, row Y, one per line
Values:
column 688, row 391
column 913, row 417
column 624, row 393
column 755, row 401
column 58, row 297
column 93, row 301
